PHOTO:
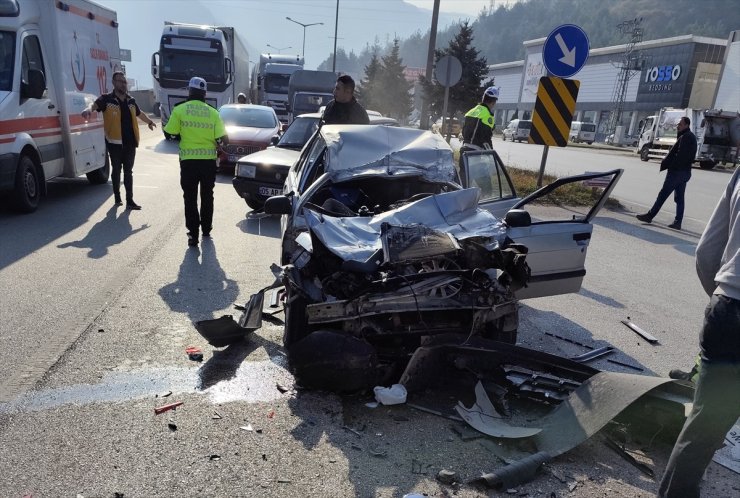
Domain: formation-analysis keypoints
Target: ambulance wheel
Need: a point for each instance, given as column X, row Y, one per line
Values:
column 644, row 153
column 707, row 164
column 27, row 192
column 100, row 175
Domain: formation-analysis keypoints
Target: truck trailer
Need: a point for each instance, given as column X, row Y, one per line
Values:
column 270, row 81
column 717, row 135
column 55, row 59
column 215, row 53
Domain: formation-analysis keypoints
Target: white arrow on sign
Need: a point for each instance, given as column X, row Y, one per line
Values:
column 569, row 56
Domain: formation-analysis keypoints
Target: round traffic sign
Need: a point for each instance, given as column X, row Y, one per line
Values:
column 448, row 70
column 565, row 51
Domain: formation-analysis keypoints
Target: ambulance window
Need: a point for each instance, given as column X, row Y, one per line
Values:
column 32, row 58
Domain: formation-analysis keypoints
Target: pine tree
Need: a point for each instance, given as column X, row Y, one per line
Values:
column 396, row 100
column 469, row 89
column 368, row 87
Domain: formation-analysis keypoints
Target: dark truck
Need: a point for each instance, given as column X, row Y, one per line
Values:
column 308, row 91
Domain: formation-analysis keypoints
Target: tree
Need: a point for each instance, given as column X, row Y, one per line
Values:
column 367, row 91
column 469, row 89
column 396, row 101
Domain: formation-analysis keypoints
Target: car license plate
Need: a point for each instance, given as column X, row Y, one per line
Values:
column 269, row 192
column 233, row 158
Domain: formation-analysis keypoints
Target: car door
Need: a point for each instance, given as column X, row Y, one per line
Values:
column 557, row 236
column 485, row 170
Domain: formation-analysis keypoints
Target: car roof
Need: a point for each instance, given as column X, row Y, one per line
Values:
column 246, row 106
column 374, row 118
column 379, row 150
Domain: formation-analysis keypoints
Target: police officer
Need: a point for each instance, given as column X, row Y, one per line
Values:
column 479, row 123
column 201, row 131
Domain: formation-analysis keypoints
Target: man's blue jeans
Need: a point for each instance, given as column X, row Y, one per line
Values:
column 716, row 401
column 675, row 181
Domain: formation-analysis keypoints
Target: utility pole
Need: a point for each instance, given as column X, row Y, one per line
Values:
column 336, row 26
column 424, row 121
column 631, row 62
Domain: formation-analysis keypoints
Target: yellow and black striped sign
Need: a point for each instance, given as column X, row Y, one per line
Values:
column 553, row 111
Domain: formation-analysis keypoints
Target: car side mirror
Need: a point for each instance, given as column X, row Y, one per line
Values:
column 518, row 218
column 278, row 204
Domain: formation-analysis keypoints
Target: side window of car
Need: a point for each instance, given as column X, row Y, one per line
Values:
column 313, row 166
column 486, row 172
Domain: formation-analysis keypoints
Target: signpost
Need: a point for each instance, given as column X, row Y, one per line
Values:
column 448, row 72
column 564, row 54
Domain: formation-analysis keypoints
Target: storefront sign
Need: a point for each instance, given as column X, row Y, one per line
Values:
column 661, row 77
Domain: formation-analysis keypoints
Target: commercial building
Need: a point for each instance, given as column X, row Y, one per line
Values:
column 682, row 71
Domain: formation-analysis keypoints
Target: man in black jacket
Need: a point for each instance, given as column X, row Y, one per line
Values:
column 678, row 163
column 344, row 109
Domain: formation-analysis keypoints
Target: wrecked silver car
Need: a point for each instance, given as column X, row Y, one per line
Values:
column 383, row 245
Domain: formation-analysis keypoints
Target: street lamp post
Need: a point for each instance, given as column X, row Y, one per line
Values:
column 303, row 53
column 279, row 49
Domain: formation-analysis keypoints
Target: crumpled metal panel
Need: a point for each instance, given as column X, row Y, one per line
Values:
column 357, row 238
column 375, row 150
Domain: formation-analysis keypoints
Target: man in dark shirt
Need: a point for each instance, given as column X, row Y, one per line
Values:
column 121, row 134
column 678, row 163
column 344, row 109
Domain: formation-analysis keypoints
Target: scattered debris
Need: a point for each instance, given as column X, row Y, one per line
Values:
column 649, row 338
column 101, row 330
column 567, row 339
column 377, row 452
column 215, row 457
column 621, row 451
column 729, row 455
column 483, row 417
column 172, row 426
column 593, row 354
column 434, row 412
column 556, row 474
column 247, row 428
column 514, row 474
column 271, row 414
column 572, row 486
column 372, row 404
column 465, row 432
column 163, row 395
column 216, row 416
column 281, row 387
column 446, row 476
column 222, row 331
column 165, row 408
column 394, row 395
column 195, row 354
column 352, row 430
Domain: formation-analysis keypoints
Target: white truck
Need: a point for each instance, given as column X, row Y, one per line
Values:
column 270, row 79
column 717, row 135
column 55, row 59
column 214, row 53
column 308, row 91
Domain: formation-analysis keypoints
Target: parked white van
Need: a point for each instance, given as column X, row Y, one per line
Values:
column 582, row 132
column 517, row 130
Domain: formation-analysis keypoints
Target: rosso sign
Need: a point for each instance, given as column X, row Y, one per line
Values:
column 662, row 73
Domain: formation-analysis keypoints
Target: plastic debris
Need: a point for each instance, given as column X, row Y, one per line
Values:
column 216, row 416
column 247, row 428
column 446, row 476
column 394, row 395
column 195, row 354
column 165, row 408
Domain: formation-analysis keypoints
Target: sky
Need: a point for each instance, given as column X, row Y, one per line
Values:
column 263, row 27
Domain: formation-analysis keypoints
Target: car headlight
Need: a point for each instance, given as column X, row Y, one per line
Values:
column 246, row 170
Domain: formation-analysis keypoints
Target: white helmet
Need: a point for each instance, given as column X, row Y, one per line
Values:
column 491, row 92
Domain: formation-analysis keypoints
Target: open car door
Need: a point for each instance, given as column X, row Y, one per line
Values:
column 485, row 170
column 558, row 235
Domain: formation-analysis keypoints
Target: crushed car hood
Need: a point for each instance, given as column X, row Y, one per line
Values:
column 456, row 213
column 359, row 150
column 274, row 156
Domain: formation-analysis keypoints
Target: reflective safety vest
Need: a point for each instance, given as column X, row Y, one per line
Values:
column 199, row 125
column 473, row 132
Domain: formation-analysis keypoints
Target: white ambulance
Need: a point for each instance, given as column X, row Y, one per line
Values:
column 55, row 58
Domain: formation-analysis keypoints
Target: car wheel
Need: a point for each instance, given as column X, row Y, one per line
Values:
column 27, row 192
column 644, row 153
column 100, row 175
column 589, row 143
column 254, row 204
column 707, row 164
column 503, row 138
column 296, row 324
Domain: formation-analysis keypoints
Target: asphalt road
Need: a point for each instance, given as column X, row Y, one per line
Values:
column 98, row 308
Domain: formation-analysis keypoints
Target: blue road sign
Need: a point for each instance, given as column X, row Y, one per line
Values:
column 565, row 50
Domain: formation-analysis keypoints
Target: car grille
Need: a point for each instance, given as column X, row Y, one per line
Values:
column 243, row 150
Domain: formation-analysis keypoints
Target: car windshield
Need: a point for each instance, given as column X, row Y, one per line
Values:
column 7, row 47
column 248, row 116
column 298, row 133
column 525, row 125
column 277, row 83
column 589, row 127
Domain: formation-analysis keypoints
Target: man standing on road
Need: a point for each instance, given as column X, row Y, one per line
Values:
column 678, row 163
column 241, row 99
column 121, row 135
column 201, row 131
column 478, row 126
column 344, row 109
column 717, row 398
